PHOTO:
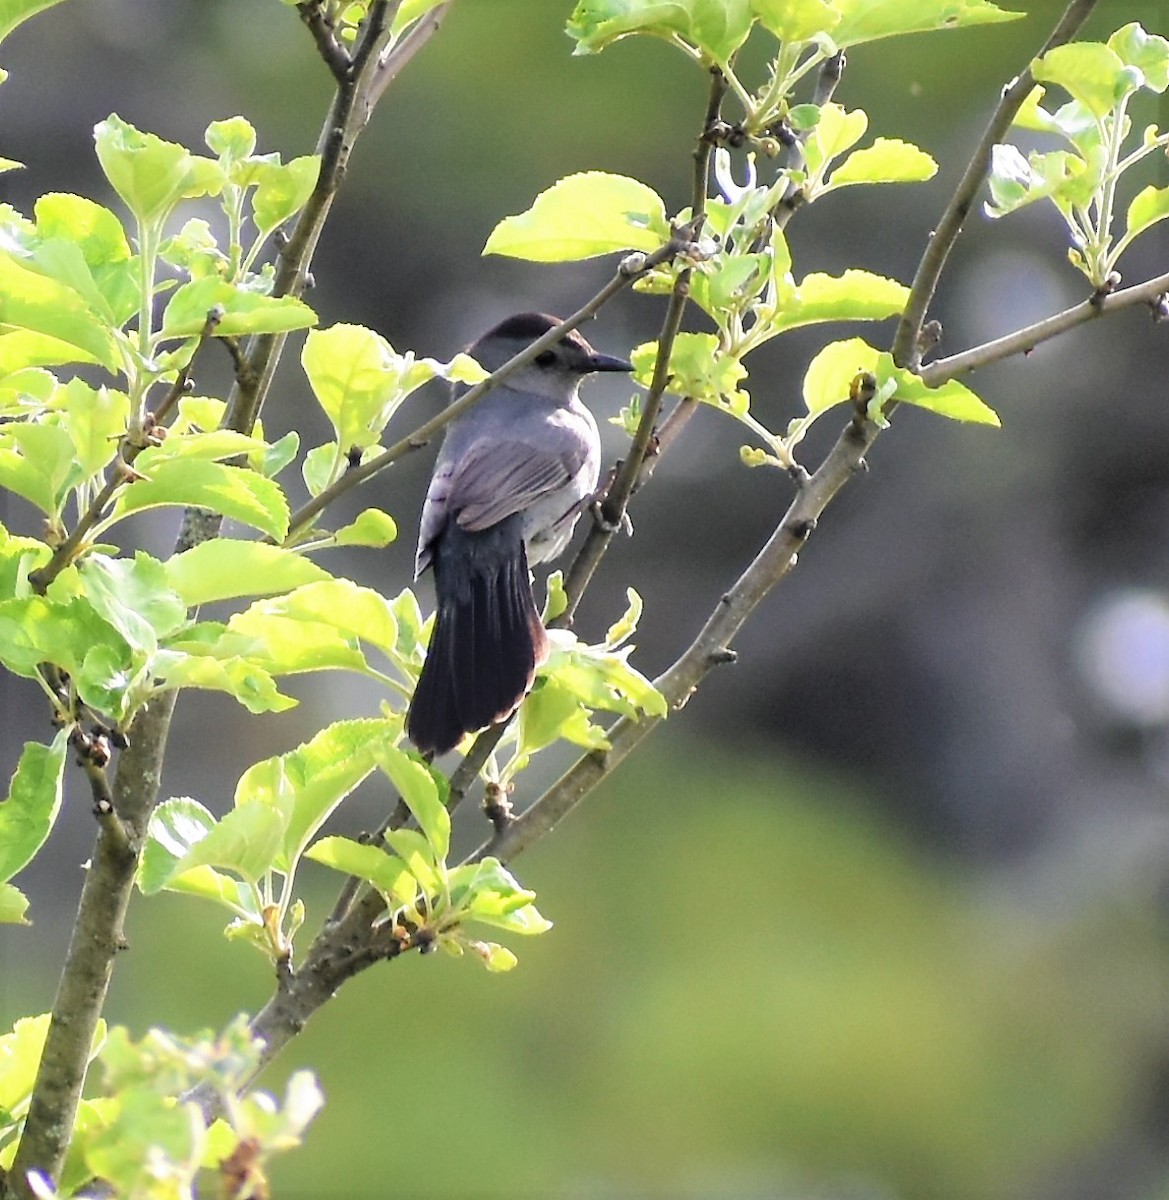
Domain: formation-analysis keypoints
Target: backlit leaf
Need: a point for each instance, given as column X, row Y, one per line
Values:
column 582, row 216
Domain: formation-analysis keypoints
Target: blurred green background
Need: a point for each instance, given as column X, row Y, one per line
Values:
column 882, row 913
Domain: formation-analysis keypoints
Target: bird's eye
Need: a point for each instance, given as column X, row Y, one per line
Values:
column 545, row 359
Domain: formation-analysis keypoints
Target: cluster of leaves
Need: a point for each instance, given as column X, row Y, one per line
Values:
column 136, row 1136
column 741, row 267
column 102, row 631
column 100, row 322
column 1082, row 181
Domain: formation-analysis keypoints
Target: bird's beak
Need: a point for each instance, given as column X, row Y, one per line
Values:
column 606, row 362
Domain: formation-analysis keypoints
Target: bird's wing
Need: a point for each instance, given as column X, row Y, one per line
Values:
column 492, row 480
column 497, row 479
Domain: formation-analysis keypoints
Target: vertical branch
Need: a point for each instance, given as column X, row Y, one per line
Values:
column 96, row 939
column 97, row 933
column 612, row 508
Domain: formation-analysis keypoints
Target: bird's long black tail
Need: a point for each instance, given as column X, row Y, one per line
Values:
column 488, row 638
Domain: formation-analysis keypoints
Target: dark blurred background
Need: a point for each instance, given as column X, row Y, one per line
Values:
column 882, row 912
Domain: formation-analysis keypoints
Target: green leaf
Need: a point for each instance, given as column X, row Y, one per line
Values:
column 13, row 12
column 246, row 841
column 95, row 419
column 1149, row 206
column 699, row 369
column 317, row 467
column 371, row 528
column 13, row 905
column 386, row 872
column 853, row 296
column 233, row 491
column 418, row 789
column 623, row 629
column 582, row 216
column 231, row 139
column 1016, row 181
column 244, row 312
column 240, row 677
column 150, row 175
column 830, row 374
column 409, row 12
column 868, row 20
column 34, row 798
column 214, row 445
column 308, row 783
column 134, row 596
column 952, row 399
column 716, row 27
column 796, row 20
column 887, row 160
column 1149, row 53
column 148, row 1136
column 34, row 629
column 176, row 826
column 32, row 302
column 26, row 391
column 20, row 1054
column 225, row 568
column 282, row 190
column 551, row 711
column 194, row 250
column 834, row 133
column 352, row 373
column 275, row 457
column 354, row 611
column 1090, row 71
column 1032, row 115
column 418, row 855
column 95, row 230
column 496, row 958
column 37, row 462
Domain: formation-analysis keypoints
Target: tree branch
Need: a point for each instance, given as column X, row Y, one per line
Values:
column 97, row 937
column 335, row 56
column 1023, row 340
column 97, row 933
column 929, row 270
column 628, row 472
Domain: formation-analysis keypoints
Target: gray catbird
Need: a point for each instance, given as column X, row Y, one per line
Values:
column 510, row 481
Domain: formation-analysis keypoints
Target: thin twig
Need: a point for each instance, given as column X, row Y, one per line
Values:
column 349, row 114
column 929, row 270
column 336, row 57
column 182, row 380
column 629, row 471
column 1023, row 340
column 400, row 54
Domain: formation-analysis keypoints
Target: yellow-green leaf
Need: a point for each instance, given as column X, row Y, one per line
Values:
column 583, row 216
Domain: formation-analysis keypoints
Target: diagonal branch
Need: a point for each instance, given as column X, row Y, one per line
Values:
column 353, row 941
column 628, row 473
column 929, row 269
column 1023, row 340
